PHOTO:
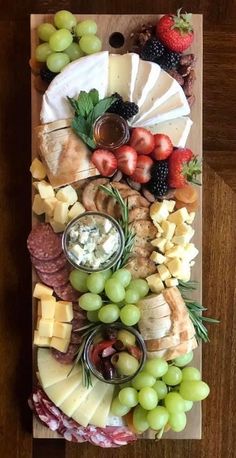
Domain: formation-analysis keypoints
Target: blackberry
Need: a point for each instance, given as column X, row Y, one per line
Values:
column 152, row 50
column 47, row 75
column 158, row 185
column 125, row 109
column 158, row 189
column 169, row 60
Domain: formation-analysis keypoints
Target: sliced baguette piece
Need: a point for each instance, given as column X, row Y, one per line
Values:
column 152, row 301
column 153, row 334
column 174, row 352
column 176, row 303
column 171, row 341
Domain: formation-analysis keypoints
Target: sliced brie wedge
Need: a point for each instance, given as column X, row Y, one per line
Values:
column 123, row 69
column 177, row 129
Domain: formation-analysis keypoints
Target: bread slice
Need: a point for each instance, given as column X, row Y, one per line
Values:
column 171, row 340
column 174, row 352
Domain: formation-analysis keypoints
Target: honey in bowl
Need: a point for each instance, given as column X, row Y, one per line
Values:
column 110, row 131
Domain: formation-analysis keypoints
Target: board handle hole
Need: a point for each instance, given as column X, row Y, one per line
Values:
column 116, row 40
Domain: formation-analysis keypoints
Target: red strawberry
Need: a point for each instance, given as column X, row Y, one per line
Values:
column 183, row 168
column 175, row 32
column 142, row 172
column 126, row 159
column 142, row 140
column 163, row 147
column 105, row 161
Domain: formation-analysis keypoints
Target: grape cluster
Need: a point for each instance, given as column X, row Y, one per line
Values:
column 101, row 287
column 66, row 40
column 161, row 394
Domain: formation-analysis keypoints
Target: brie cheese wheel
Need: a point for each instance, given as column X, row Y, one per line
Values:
column 123, row 71
column 84, row 74
column 148, row 74
column 177, row 129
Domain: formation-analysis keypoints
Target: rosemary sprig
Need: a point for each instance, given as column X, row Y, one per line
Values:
column 195, row 312
column 124, row 223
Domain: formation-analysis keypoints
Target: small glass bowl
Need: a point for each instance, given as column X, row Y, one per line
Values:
column 95, row 334
column 110, row 131
column 110, row 261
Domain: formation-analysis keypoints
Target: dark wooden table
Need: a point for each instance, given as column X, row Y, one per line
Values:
column 219, row 234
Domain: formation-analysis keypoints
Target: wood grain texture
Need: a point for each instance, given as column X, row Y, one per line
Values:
column 219, row 217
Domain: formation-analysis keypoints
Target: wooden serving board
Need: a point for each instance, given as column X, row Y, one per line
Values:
column 126, row 24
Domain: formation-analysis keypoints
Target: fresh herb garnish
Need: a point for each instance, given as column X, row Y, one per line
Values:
column 88, row 108
column 124, row 223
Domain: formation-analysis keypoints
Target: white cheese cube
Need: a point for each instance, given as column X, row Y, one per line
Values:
column 37, row 169
column 191, row 217
column 45, row 327
column 182, row 229
column 175, row 252
column 185, row 272
column 170, row 205
column 183, row 239
column 45, row 190
column 75, row 210
column 57, row 227
column 159, row 228
column 169, row 282
column 64, row 311
column 49, row 205
column 179, row 216
column 168, row 229
column 38, row 205
column 41, row 290
column 62, row 330
column 60, row 344
column 190, row 251
column 67, row 194
column 48, row 306
column 159, row 211
column 163, row 272
column 175, row 267
column 155, row 283
column 41, row 341
column 107, row 226
column 158, row 258
column 159, row 243
column 60, row 214
column 77, row 251
column 168, row 245
column 108, row 243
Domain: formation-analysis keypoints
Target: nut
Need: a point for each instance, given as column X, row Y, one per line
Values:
column 118, row 176
column 148, row 195
column 187, row 59
column 176, row 76
column 133, row 184
column 188, row 83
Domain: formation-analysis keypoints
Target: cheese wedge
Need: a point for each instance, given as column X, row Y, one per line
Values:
column 177, row 129
column 77, row 397
column 50, row 370
column 123, row 69
column 86, row 410
column 60, row 391
column 100, row 416
column 148, row 74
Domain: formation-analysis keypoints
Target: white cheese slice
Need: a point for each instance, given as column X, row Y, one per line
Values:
column 123, row 71
column 83, row 74
column 86, row 410
column 148, row 74
column 177, row 129
column 72, row 403
column 60, row 391
column 101, row 415
column 50, row 370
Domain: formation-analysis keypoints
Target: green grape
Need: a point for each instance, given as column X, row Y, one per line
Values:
column 95, row 282
column 86, row 27
column 109, row 313
column 126, row 337
column 148, row 398
column 93, row 316
column 183, row 360
column 130, row 314
column 60, row 40
column 123, row 276
column 191, row 373
column 143, row 379
column 57, row 61
column 177, row 421
column 42, row 52
column 173, row 376
column 140, row 285
column 119, row 409
column 128, row 396
column 45, row 30
column 73, row 51
column 131, row 296
column 78, row 280
column 187, row 405
column 157, row 417
column 161, row 389
column 140, row 419
column 64, row 20
column 90, row 44
column 156, row 367
column 90, row 302
column 125, row 363
column 194, row 390
column 174, row 402
column 106, row 273
column 114, row 290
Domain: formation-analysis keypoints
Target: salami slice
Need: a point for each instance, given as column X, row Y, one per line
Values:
column 66, row 292
column 49, row 267
column 56, row 279
column 43, row 243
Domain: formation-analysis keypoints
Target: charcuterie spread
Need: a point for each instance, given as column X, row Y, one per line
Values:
column 115, row 195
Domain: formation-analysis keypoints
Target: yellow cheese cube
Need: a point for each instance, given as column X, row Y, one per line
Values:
column 64, row 311
column 169, row 282
column 37, row 169
column 163, row 272
column 185, row 272
column 48, row 306
column 67, row 194
column 178, row 217
column 62, row 330
column 174, row 267
column 159, row 211
column 42, row 290
column 182, row 229
column 159, row 228
column 183, row 239
column 168, row 229
column 60, row 214
column 158, row 258
column 168, row 245
column 155, row 283
column 45, row 190
column 38, row 205
column 41, row 341
column 159, row 243
column 45, row 327
column 49, row 205
column 60, row 344
column 76, row 210
column 170, row 204
column 191, row 217
column 175, row 252
column 57, row 227
column 190, row 251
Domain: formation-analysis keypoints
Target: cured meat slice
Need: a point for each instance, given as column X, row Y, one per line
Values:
column 66, row 292
column 89, row 193
column 49, row 267
column 43, row 243
column 59, row 278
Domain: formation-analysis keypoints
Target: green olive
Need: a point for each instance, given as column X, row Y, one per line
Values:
column 126, row 337
column 125, row 363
